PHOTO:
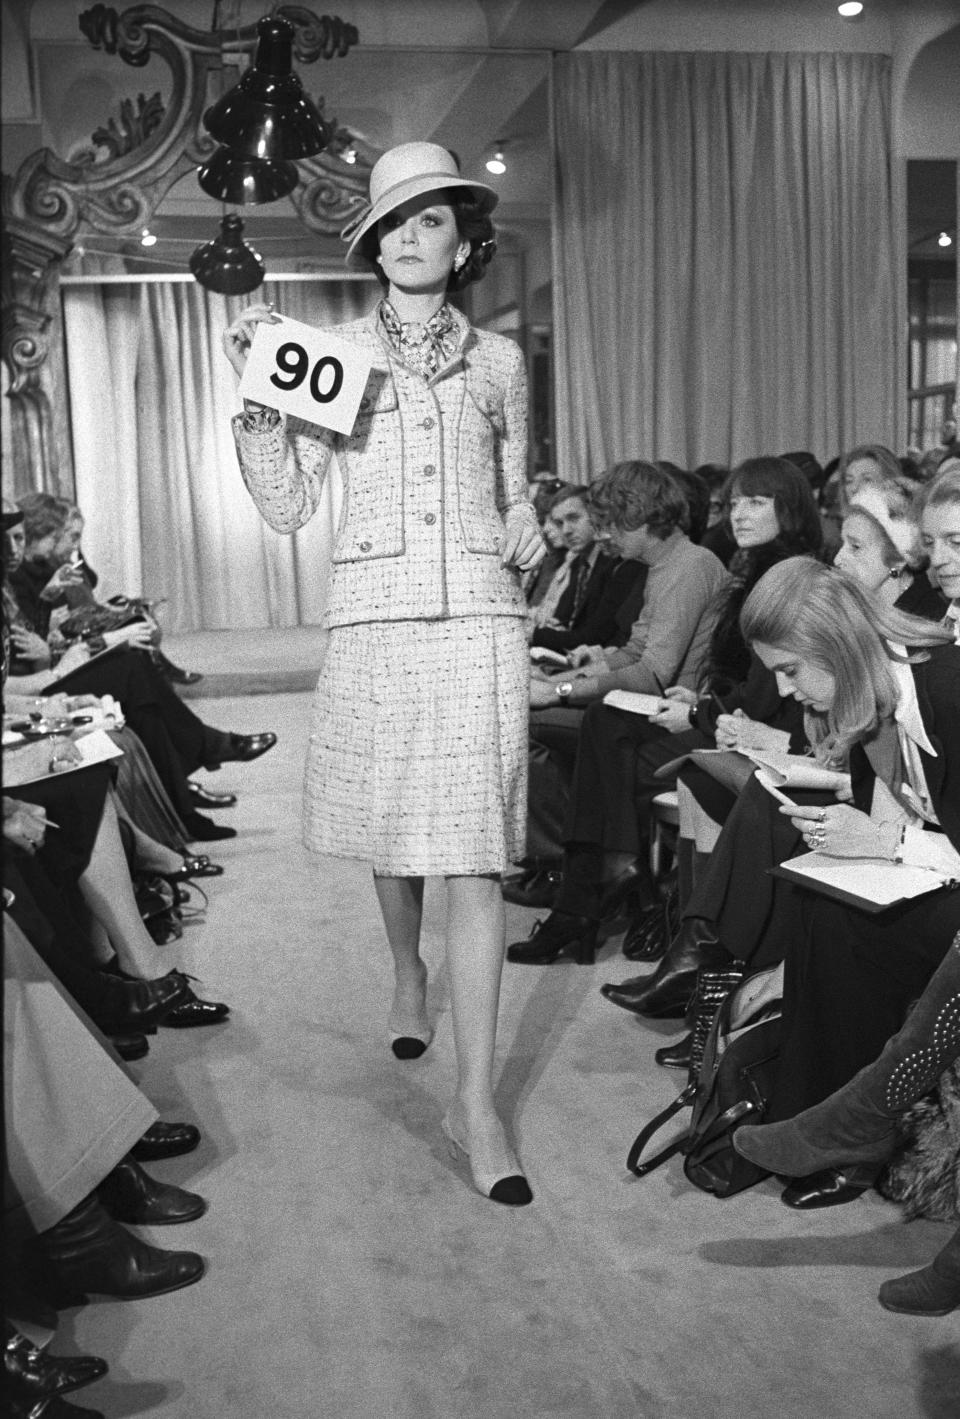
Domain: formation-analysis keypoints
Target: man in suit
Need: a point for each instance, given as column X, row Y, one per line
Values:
column 596, row 584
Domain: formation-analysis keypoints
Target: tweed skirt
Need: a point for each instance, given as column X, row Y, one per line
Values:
column 418, row 750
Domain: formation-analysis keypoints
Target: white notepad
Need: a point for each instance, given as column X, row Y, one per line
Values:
column 633, row 701
column 871, row 883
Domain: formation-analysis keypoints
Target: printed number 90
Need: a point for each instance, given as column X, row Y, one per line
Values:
column 294, row 361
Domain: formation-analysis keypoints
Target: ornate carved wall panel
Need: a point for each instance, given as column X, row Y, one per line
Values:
column 133, row 161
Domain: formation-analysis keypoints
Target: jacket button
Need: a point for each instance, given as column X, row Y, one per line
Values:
column 428, row 423
column 429, row 470
column 365, row 546
column 430, row 519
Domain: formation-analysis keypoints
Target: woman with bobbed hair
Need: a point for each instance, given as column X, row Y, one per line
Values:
column 417, row 758
column 880, row 689
column 869, row 465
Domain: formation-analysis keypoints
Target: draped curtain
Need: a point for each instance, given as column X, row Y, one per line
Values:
column 724, row 281
column 167, row 515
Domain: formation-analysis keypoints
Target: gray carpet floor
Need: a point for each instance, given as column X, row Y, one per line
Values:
column 353, row 1273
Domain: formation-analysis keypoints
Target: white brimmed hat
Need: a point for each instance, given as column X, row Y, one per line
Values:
column 902, row 531
column 403, row 172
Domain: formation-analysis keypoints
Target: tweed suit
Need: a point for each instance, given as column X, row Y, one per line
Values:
column 417, row 757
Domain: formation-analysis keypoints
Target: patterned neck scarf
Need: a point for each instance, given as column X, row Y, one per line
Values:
column 425, row 347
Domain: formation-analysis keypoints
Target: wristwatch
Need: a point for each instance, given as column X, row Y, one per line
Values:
column 564, row 690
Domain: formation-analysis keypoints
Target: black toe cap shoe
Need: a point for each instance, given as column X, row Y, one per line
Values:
column 194, row 1012
column 204, row 798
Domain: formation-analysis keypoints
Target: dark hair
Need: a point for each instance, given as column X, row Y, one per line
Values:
column 473, row 225
column 696, row 490
column 808, row 465
column 566, row 491
column 44, row 513
column 635, row 494
column 715, row 474
column 793, row 500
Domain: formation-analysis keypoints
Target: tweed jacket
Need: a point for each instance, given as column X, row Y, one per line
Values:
column 434, row 474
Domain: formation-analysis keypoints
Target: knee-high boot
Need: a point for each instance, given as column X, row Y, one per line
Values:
column 857, row 1124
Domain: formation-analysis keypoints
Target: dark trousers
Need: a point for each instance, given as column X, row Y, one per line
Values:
column 753, row 912
column 554, row 734
column 177, row 741
column 849, row 978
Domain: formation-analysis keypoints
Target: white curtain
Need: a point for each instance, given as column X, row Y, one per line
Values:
column 724, row 282
column 167, row 515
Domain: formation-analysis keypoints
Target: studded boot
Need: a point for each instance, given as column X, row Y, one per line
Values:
column 857, row 1124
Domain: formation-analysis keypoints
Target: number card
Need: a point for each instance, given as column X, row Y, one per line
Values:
column 306, row 372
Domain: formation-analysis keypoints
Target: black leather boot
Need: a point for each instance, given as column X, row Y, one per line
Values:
column 131, row 1195
column 87, row 1251
column 557, row 935
column 677, row 1055
column 665, row 993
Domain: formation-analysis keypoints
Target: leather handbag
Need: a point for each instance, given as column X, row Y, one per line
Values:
column 731, row 1077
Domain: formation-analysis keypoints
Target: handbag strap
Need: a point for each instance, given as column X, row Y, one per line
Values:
column 641, row 1170
column 727, row 1121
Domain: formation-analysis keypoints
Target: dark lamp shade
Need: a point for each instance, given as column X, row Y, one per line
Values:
column 230, row 177
column 228, row 264
column 267, row 115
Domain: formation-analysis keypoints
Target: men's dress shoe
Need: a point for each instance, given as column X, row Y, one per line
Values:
column 557, row 935
column 205, row 830
column 203, row 798
column 131, row 1195
column 675, row 1056
column 88, row 1252
column 130, row 1047
column 536, row 888
column 194, row 867
column 165, row 1140
column 192, row 1011
column 244, row 747
column 828, row 1188
column 921, row 1293
column 144, row 1003
column 645, row 939
column 31, row 1374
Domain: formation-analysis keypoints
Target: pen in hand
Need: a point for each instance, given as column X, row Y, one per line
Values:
column 718, row 702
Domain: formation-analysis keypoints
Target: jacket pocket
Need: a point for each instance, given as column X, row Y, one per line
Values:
column 487, row 396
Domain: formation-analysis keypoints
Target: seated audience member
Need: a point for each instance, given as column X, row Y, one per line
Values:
column 849, row 974
column 869, row 465
column 73, row 1119
column 177, row 741
column 718, row 538
column 638, row 511
column 619, row 753
column 940, row 538
column 856, row 1127
column 737, row 908
column 54, row 579
column 535, row 583
column 597, row 585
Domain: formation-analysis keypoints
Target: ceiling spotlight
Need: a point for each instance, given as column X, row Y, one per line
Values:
column 944, row 239
column 147, row 237
column 496, row 162
column 850, row 9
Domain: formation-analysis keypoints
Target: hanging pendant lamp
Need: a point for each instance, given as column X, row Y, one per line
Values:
column 228, row 264
column 230, row 177
column 267, row 114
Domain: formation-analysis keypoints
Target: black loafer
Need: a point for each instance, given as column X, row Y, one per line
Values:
column 166, row 1140
column 244, row 747
column 33, row 1375
column 203, row 798
column 828, row 1188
